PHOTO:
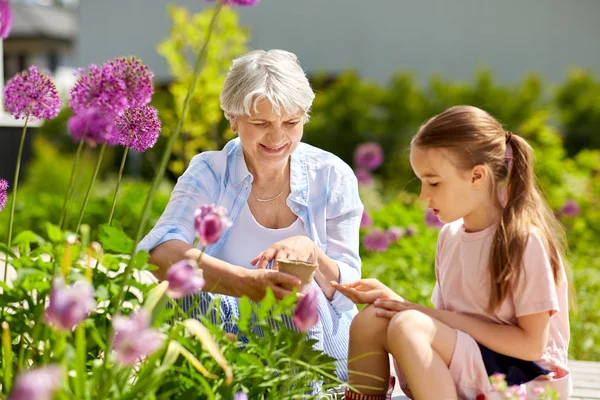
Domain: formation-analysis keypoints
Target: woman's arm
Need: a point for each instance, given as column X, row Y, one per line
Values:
column 220, row 276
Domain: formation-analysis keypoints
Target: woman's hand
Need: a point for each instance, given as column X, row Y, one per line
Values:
column 294, row 248
column 255, row 282
column 387, row 308
column 366, row 291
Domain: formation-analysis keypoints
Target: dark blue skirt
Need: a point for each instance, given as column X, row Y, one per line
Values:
column 516, row 371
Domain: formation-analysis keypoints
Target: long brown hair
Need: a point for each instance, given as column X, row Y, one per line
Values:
column 476, row 138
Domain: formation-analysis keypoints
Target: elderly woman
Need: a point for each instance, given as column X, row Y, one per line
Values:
column 286, row 200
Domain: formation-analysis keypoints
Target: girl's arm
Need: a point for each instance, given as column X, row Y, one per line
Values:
column 526, row 341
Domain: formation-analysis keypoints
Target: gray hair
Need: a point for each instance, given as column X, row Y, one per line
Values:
column 274, row 75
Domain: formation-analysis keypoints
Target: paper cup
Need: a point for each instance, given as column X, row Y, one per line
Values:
column 303, row 270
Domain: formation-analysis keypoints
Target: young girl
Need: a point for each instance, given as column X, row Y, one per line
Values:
column 501, row 303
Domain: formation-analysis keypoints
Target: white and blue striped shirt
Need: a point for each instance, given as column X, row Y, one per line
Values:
column 324, row 195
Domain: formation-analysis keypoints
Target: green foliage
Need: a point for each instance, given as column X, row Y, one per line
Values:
column 578, row 104
column 204, row 128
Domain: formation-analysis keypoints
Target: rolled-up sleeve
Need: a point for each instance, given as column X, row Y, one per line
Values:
column 344, row 212
column 197, row 186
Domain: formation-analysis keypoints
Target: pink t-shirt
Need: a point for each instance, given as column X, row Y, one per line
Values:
column 463, row 282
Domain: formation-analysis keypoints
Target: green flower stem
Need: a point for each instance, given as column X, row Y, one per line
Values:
column 114, row 203
column 200, row 60
column 7, row 356
column 13, row 199
column 89, row 191
column 69, row 193
column 80, row 362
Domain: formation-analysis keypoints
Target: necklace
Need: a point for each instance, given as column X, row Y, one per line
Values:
column 267, row 200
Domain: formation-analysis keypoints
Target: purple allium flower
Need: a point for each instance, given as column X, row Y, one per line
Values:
column 240, row 2
column 134, row 338
column 101, row 88
column 240, row 396
column 3, row 193
column 38, row 384
column 139, row 85
column 432, row 220
column 210, row 222
column 570, row 208
column 69, row 305
column 91, row 125
column 411, row 231
column 394, row 233
column 376, row 240
column 363, row 176
column 307, row 313
column 31, row 93
column 138, row 128
column 184, row 278
column 6, row 18
column 365, row 220
column 368, row 156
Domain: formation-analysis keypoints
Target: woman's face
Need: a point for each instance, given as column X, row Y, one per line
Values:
column 268, row 139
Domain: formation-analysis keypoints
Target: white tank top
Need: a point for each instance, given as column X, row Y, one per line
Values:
column 248, row 238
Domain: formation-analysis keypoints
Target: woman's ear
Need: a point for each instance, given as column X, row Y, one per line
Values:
column 479, row 174
column 234, row 124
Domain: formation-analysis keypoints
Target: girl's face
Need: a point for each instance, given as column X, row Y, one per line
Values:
column 450, row 192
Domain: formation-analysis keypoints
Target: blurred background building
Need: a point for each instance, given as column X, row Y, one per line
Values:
column 450, row 37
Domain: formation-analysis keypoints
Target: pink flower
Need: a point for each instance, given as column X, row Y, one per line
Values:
column 306, row 315
column 431, row 220
column 366, row 220
column 70, row 305
column 570, row 208
column 138, row 128
column 363, row 176
column 368, row 156
column 376, row 240
column 3, row 193
column 210, row 222
column 394, row 233
column 6, row 18
column 138, row 79
column 100, row 87
column 133, row 338
column 240, row 396
column 240, row 2
column 31, row 94
column 184, row 279
column 91, row 125
column 38, row 384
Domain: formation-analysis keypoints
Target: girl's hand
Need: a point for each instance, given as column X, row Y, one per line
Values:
column 387, row 308
column 365, row 291
column 294, row 248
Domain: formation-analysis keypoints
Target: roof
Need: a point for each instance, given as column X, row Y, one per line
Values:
column 37, row 21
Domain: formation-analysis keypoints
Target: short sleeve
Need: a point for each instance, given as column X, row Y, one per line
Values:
column 536, row 291
column 436, row 297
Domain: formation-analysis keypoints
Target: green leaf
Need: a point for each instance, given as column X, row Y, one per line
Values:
column 115, row 240
column 55, row 235
column 28, row 237
column 266, row 304
column 6, row 250
column 245, row 313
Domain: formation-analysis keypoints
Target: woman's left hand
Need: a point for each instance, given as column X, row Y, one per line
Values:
column 293, row 248
column 387, row 308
